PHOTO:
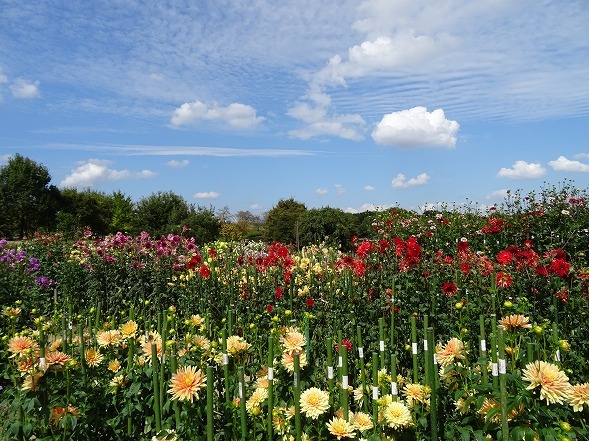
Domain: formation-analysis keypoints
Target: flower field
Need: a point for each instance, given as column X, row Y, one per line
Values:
column 454, row 324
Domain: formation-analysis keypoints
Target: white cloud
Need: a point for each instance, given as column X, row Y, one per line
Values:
column 237, row 115
column 340, row 189
column 416, row 127
column 319, row 123
column 321, row 191
column 178, row 164
column 522, row 170
column 369, row 188
column 95, row 171
column 24, row 89
column 498, row 195
column 206, row 195
column 401, row 181
column 567, row 165
column 379, row 55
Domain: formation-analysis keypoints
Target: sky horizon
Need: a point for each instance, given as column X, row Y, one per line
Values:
column 357, row 105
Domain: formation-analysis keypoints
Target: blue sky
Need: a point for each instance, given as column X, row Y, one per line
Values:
column 347, row 104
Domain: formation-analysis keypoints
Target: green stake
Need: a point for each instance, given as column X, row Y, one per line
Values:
column 381, row 342
column 269, row 426
column 414, row 349
column 503, row 387
column 242, row 411
column 362, row 365
column 330, row 368
column 156, row 389
column 210, row 392
column 297, row 396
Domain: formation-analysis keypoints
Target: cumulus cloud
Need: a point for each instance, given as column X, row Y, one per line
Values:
column 369, row 188
column 206, row 195
column 237, row 115
column 498, row 195
column 568, row 165
column 384, row 53
column 522, row 170
column 95, row 171
column 321, row 191
column 400, row 181
column 340, row 189
column 416, row 127
column 24, row 89
column 178, row 164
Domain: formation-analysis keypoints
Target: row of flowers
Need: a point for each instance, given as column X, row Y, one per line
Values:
column 159, row 375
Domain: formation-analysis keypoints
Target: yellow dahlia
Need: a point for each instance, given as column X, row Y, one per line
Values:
column 114, row 365
column 201, row 342
column 197, row 320
column 186, row 383
column 449, row 353
column 578, row 396
column 314, row 402
column 153, row 338
column 361, row 421
column 254, row 402
column 340, row 428
column 515, row 322
column 397, row 415
column 117, row 381
column 554, row 384
column 129, row 329
column 93, row 357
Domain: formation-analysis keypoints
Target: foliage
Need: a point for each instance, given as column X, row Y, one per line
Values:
column 82, row 210
column 283, row 220
column 329, row 225
column 499, row 297
column 27, row 199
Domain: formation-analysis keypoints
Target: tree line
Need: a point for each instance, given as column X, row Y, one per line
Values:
column 30, row 204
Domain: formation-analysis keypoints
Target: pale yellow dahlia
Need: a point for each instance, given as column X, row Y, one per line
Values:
column 201, row 342
column 197, row 320
column 361, row 421
column 254, row 402
column 578, row 396
column 31, row 382
column 108, row 338
column 186, row 383
column 293, row 341
column 153, row 338
column 514, row 322
column 397, row 415
column 554, row 384
column 490, row 404
column 11, row 312
column 340, row 428
column 314, row 402
column 117, row 381
column 415, row 393
column 237, row 345
column 129, row 329
column 93, row 357
column 55, row 345
column 288, row 360
column 449, row 353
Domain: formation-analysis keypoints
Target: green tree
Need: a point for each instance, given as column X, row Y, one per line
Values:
column 203, row 225
column 161, row 213
column 282, row 221
column 28, row 201
column 80, row 210
column 330, row 225
column 123, row 213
